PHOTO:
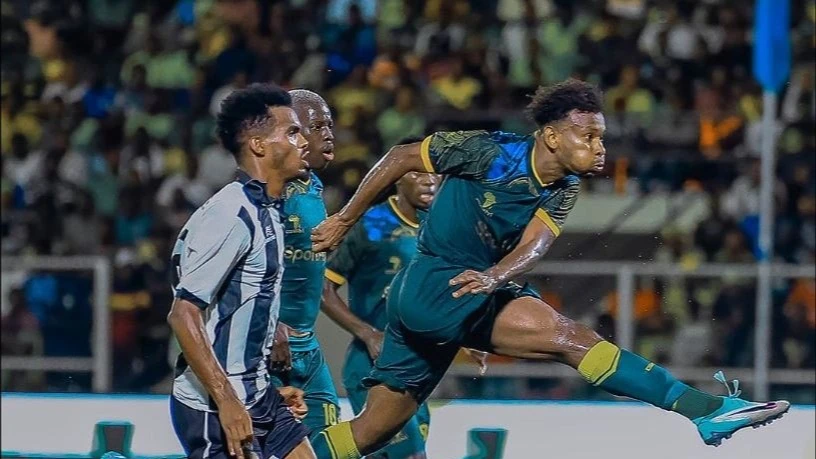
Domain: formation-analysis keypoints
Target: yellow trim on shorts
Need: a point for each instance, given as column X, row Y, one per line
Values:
column 334, row 277
column 425, row 154
column 545, row 217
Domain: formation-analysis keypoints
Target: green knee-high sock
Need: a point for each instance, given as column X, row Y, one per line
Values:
column 336, row 442
column 623, row 373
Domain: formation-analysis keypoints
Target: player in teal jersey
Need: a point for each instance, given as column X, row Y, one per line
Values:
column 306, row 367
column 378, row 246
column 501, row 206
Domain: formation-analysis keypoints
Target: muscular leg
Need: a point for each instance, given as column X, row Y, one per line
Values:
column 529, row 328
column 385, row 413
column 302, row 451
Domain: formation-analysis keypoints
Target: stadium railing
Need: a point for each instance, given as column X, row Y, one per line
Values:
column 625, row 273
column 99, row 364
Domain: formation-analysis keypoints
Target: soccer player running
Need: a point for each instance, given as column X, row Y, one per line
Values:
column 297, row 359
column 228, row 261
column 501, row 206
column 377, row 247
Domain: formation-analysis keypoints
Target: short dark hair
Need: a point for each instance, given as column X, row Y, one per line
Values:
column 553, row 103
column 246, row 108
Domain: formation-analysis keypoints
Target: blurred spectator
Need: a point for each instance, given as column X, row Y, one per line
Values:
column 402, row 119
column 456, row 89
column 21, row 336
column 629, row 95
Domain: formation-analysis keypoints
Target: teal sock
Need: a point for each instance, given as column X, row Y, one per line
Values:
column 621, row 372
column 336, row 442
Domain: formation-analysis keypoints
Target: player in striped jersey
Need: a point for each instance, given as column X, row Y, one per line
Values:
column 228, row 263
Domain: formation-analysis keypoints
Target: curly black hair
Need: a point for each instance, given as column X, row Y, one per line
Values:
column 247, row 108
column 553, row 103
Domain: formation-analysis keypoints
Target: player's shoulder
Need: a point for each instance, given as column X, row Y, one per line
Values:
column 511, row 156
column 226, row 202
column 569, row 182
column 225, row 210
column 378, row 221
column 297, row 188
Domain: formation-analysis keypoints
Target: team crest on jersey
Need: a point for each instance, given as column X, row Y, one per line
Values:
column 403, row 232
column 294, row 226
column 487, row 203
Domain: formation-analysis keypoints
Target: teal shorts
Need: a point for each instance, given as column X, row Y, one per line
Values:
column 411, row 439
column 427, row 326
column 310, row 372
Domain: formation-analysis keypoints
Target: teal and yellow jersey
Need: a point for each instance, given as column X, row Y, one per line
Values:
column 303, row 269
column 376, row 248
column 490, row 193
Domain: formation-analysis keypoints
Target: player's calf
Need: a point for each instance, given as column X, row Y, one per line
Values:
column 385, row 413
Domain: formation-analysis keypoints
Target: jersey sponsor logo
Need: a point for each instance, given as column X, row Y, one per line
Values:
column 487, row 202
column 293, row 254
column 294, row 226
column 403, row 232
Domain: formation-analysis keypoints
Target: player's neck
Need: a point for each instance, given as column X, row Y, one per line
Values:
column 274, row 183
column 405, row 208
column 547, row 167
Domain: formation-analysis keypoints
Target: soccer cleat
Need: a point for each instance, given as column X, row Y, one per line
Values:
column 735, row 414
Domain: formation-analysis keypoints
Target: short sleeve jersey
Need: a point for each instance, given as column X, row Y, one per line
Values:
column 493, row 190
column 377, row 247
column 303, row 274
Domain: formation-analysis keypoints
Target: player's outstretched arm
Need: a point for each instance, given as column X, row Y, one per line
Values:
column 187, row 323
column 535, row 242
column 340, row 313
column 399, row 160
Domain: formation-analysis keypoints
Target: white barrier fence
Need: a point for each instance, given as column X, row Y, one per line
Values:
column 63, row 424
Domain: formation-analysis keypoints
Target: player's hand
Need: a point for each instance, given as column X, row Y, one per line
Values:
column 328, row 234
column 479, row 357
column 293, row 397
column 373, row 340
column 474, row 282
column 281, row 356
column 237, row 426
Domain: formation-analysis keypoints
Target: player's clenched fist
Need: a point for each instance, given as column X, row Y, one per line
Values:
column 474, row 282
column 293, row 397
column 329, row 234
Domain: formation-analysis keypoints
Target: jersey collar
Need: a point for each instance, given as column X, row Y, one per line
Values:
column 256, row 191
column 392, row 201
column 531, row 157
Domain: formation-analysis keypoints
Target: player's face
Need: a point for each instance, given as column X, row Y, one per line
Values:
column 285, row 144
column 317, row 128
column 418, row 188
column 580, row 146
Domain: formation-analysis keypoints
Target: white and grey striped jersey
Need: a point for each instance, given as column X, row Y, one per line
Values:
column 228, row 261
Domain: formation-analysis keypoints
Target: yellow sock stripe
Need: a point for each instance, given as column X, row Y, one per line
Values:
column 332, row 451
column 425, row 154
column 599, row 361
column 341, row 441
column 545, row 217
column 611, row 371
column 335, row 277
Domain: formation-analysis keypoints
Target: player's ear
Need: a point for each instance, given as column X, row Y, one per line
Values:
column 256, row 145
column 549, row 136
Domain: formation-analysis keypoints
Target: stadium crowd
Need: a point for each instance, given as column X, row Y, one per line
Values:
column 107, row 141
